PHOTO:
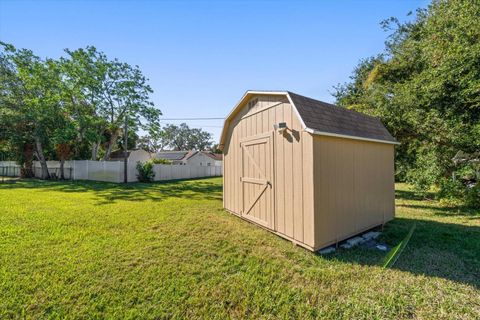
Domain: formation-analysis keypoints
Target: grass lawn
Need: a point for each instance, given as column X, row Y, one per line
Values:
column 168, row 250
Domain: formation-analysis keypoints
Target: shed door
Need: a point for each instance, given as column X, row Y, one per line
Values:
column 257, row 179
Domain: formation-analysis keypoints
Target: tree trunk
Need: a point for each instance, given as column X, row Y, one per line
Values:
column 41, row 158
column 27, row 166
column 62, row 173
column 95, row 147
column 111, row 143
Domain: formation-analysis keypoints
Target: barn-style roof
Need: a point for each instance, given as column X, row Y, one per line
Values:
column 328, row 118
column 322, row 118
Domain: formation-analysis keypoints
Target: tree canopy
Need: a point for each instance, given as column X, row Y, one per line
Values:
column 63, row 108
column 177, row 137
column 425, row 87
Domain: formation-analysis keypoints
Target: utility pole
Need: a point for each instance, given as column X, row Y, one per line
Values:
column 125, row 151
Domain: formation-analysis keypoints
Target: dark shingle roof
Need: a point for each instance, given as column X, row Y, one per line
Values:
column 328, row 118
column 119, row 154
column 190, row 154
column 171, row 155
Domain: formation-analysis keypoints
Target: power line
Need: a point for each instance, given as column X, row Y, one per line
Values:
column 200, row 126
column 191, row 119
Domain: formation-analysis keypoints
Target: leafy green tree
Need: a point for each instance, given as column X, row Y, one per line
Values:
column 425, row 87
column 183, row 137
column 132, row 140
column 83, row 73
column 31, row 100
column 110, row 92
column 155, row 140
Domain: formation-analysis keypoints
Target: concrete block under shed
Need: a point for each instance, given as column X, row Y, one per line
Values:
column 327, row 250
column 371, row 235
column 355, row 241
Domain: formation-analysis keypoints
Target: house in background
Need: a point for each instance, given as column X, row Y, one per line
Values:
column 204, row 158
column 217, row 157
column 196, row 158
column 133, row 156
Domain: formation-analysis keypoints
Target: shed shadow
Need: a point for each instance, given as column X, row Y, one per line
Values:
column 106, row 193
column 445, row 250
column 457, row 211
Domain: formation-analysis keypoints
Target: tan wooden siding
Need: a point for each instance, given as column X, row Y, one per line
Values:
column 293, row 190
column 354, row 187
column 308, row 190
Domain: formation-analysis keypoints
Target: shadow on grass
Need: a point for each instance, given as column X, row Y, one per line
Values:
column 194, row 189
column 458, row 211
column 445, row 250
column 411, row 197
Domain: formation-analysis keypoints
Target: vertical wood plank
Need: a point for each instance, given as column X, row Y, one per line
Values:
column 308, row 190
column 297, row 179
column 280, row 173
column 288, row 172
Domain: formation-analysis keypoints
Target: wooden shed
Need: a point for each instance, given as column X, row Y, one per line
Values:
column 309, row 171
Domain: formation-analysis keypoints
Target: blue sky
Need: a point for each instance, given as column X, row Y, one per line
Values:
column 201, row 56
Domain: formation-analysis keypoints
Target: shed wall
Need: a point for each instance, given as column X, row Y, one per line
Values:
column 354, row 187
column 293, row 166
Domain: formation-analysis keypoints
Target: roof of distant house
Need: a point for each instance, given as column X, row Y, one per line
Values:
column 185, row 155
column 171, row 155
column 120, row 154
column 214, row 156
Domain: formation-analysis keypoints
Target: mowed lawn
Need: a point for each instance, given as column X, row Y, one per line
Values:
column 168, row 250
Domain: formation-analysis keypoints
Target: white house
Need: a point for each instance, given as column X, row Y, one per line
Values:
column 133, row 156
column 196, row 158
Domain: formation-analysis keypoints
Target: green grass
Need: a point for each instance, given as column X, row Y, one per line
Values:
column 168, row 250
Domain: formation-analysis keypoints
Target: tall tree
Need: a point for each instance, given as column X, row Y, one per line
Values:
column 425, row 87
column 111, row 91
column 58, row 109
column 84, row 70
column 155, row 140
column 31, row 99
column 182, row 137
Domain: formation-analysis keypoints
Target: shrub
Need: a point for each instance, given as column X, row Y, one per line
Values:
column 458, row 193
column 451, row 192
column 160, row 161
column 472, row 196
column 145, row 171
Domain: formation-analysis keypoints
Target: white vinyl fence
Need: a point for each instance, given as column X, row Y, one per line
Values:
column 9, row 169
column 112, row 171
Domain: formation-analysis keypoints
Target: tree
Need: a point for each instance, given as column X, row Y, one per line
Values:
column 111, row 91
column 83, row 73
column 155, row 140
column 425, row 87
column 58, row 109
column 216, row 148
column 132, row 140
column 183, row 137
column 63, row 139
column 31, row 99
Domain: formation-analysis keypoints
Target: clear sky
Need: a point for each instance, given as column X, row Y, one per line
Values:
column 201, row 56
